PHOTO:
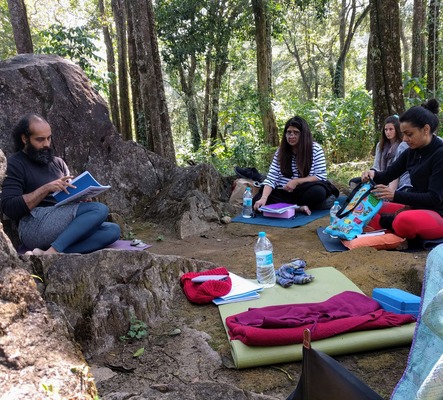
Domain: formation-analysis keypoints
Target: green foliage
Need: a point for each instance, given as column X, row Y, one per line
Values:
column 342, row 173
column 7, row 45
column 48, row 388
column 139, row 352
column 344, row 127
column 76, row 44
column 137, row 330
column 415, row 91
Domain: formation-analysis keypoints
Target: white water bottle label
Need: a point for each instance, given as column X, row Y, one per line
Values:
column 264, row 258
column 247, row 202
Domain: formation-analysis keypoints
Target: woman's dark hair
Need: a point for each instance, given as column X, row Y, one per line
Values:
column 419, row 116
column 304, row 149
column 22, row 128
column 393, row 119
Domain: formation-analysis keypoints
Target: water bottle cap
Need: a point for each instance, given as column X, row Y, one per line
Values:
column 261, row 234
column 248, row 188
column 336, row 203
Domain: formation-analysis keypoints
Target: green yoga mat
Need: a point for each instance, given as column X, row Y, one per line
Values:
column 328, row 282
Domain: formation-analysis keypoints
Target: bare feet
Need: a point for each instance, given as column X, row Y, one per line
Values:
column 40, row 252
column 305, row 209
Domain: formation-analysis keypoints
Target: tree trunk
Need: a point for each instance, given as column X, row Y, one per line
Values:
column 385, row 57
column 118, row 8
column 207, row 103
column 110, row 60
column 147, row 59
column 418, row 40
column 20, row 26
column 264, row 70
column 137, row 109
column 188, row 88
column 219, row 71
column 295, row 53
column 433, row 49
column 345, row 44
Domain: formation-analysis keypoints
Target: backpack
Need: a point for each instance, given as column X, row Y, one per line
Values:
column 238, row 189
column 358, row 209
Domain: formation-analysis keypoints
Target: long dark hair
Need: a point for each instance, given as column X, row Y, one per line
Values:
column 303, row 149
column 419, row 116
column 22, row 128
column 393, row 119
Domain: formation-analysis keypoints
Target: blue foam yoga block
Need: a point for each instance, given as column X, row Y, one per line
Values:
column 397, row 301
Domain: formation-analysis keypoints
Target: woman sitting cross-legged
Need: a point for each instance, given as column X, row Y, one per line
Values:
column 417, row 212
column 297, row 174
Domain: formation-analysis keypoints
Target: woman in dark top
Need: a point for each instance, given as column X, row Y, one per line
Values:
column 417, row 212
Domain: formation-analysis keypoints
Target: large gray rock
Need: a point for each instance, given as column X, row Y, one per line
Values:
column 189, row 200
column 89, row 299
column 104, row 288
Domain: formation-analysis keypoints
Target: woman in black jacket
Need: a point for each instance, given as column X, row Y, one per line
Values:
column 417, row 212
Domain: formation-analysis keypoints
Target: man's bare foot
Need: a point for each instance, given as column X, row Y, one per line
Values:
column 40, row 252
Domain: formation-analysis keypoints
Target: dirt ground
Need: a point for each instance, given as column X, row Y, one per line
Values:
column 188, row 347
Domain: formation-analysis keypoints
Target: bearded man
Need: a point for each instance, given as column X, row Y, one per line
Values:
column 33, row 173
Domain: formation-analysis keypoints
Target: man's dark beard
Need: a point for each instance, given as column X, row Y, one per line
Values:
column 40, row 156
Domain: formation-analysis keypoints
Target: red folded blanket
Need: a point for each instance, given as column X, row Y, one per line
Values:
column 284, row 324
column 202, row 293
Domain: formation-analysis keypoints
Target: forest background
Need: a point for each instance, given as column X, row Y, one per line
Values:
column 215, row 80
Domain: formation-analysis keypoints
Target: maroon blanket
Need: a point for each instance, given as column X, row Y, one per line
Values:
column 284, row 324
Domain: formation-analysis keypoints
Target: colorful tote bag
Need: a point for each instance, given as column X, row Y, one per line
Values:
column 358, row 209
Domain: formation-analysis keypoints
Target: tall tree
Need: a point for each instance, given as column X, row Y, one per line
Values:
column 349, row 23
column 196, row 35
column 433, row 46
column 147, row 60
column 385, row 57
column 418, row 40
column 264, row 70
column 110, row 59
column 182, row 30
column 20, row 26
column 119, row 10
column 137, row 109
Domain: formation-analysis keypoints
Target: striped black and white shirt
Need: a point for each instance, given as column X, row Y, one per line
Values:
column 275, row 177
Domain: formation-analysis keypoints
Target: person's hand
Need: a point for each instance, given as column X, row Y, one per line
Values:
column 260, row 202
column 60, row 184
column 291, row 185
column 367, row 175
column 383, row 192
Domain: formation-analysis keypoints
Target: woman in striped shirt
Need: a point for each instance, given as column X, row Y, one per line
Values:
column 297, row 174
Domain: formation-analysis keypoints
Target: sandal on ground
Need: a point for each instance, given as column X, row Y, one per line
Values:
column 138, row 243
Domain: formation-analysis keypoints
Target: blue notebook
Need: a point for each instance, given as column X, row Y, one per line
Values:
column 86, row 187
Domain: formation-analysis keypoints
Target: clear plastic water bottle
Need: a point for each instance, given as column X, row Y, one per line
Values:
column 265, row 262
column 334, row 210
column 247, row 203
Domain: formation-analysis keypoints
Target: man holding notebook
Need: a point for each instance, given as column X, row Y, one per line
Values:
column 33, row 173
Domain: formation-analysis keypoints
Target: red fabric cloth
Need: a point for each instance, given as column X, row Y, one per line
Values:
column 283, row 325
column 205, row 292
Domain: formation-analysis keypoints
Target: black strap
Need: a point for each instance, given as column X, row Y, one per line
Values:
column 343, row 212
